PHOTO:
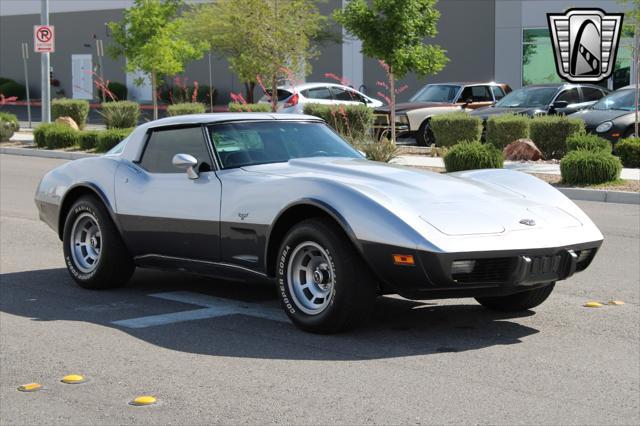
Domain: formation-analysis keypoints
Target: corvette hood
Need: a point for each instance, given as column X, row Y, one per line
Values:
column 450, row 204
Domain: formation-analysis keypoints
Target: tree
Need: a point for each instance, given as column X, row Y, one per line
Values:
column 259, row 37
column 394, row 32
column 149, row 37
column 632, row 26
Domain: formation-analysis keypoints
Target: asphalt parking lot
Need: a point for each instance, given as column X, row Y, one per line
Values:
column 222, row 352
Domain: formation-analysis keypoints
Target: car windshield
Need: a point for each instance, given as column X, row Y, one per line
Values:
column 436, row 93
column 263, row 142
column 621, row 100
column 528, row 97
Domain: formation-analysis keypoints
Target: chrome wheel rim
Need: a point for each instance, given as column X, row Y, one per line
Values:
column 310, row 277
column 86, row 242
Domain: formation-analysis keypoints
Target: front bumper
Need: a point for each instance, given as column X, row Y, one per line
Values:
column 494, row 272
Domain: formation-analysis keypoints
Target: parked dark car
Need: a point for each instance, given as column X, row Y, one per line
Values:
column 413, row 117
column 612, row 117
column 540, row 99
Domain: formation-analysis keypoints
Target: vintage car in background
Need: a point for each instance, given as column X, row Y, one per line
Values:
column 412, row 118
column 612, row 117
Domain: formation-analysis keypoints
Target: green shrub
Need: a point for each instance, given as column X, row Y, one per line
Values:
column 350, row 121
column 588, row 143
column 506, row 128
column 4, row 80
column 185, row 109
column 236, row 107
column 55, row 136
column 179, row 95
column 118, row 90
column 449, row 129
column 74, row 108
column 8, row 126
column 11, row 88
column 550, row 133
column 88, row 139
column 629, row 152
column 583, row 167
column 471, row 156
column 121, row 114
column 110, row 138
column 383, row 151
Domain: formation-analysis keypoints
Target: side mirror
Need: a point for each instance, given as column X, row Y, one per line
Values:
column 560, row 104
column 467, row 102
column 186, row 162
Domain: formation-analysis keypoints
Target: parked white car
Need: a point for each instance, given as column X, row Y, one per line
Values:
column 292, row 99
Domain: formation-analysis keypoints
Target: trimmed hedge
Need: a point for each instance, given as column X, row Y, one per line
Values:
column 121, row 114
column 550, row 133
column 88, row 139
column 119, row 90
column 74, row 108
column 588, row 143
column 186, row 109
column 55, row 136
column 350, row 121
column 583, row 167
column 8, row 126
column 110, row 138
column 506, row 128
column 471, row 156
column 629, row 152
column 449, row 129
column 236, row 107
column 12, row 88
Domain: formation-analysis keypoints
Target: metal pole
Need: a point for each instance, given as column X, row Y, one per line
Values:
column 45, row 69
column 210, row 85
column 636, row 60
column 25, row 56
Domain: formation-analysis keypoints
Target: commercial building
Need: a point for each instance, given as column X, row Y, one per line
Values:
column 500, row 40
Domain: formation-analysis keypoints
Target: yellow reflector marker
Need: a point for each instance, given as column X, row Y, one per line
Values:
column 403, row 259
column 143, row 400
column 73, row 379
column 616, row 302
column 30, row 387
column 592, row 305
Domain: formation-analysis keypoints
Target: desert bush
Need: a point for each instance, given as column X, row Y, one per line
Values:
column 78, row 110
column 588, row 143
column 8, row 126
column 109, row 138
column 383, row 151
column 185, row 109
column 237, row 107
column 350, row 121
column 550, row 133
column 88, row 139
column 121, row 114
column 55, row 136
column 471, row 156
column 582, row 167
column 119, row 91
column 449, row 129
column 506, row 128
column 629, row 152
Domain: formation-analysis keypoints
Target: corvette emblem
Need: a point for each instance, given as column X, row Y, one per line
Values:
column 585, row 42
column 528, row 222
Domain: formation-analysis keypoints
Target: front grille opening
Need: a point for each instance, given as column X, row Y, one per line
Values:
column 483, row 271
column 584, row 258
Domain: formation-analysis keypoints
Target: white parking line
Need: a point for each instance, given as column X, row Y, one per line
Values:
column 213, row 307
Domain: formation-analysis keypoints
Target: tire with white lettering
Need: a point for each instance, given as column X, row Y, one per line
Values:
column 94, row 253
column 323, row 283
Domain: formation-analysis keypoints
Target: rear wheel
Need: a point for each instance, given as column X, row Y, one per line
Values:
column 424, row 135
column 519, row 301
column 323, row 284
column 94, row 253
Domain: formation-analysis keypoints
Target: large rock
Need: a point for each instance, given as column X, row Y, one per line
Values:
column 67, row 121
column 522, row 150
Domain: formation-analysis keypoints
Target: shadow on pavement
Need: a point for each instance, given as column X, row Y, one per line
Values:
column 399, row 328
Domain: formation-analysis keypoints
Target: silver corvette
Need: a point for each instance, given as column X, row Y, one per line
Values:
column 283, row 198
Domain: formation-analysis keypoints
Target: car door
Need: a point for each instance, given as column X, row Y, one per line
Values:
column 572, row 98
column 474, row 97
column 163, row 212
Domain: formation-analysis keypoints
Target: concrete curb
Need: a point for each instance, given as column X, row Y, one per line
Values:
column 43, row 153
column 581, row 194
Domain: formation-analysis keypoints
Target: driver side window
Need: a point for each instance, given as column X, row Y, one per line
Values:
column 571, row 96
column 163, row 144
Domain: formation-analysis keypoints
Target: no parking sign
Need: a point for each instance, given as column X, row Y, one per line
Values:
column 43, row 38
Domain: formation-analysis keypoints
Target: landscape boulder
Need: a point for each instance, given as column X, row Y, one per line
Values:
column 67, row 121
column 522, row 150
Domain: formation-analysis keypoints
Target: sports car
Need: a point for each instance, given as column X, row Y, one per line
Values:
column 282, row 198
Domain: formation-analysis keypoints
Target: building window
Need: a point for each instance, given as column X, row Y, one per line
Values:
column 538, row 62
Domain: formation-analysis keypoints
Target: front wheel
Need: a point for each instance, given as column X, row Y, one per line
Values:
column 519, row 301
column 424, row 135
column 323, row 284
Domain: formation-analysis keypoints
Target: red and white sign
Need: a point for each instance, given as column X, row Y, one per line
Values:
column 43, row 38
